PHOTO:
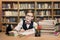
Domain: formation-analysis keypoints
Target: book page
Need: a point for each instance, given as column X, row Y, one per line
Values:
column 28, row 32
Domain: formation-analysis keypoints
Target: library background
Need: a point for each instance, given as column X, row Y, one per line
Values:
column 12, row 11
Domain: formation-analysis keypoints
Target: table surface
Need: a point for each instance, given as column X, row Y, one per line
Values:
column 30, row 37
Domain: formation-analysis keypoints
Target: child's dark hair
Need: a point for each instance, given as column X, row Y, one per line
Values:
column 29, row 11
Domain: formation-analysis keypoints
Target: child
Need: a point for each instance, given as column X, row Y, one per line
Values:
column 26, row 24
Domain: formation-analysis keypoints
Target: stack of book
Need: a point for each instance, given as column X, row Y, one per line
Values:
column 15, row 6
column 5, row 6
column 9, row 6
column 57, row 12
column 57, row 5
column 2, row 19
column 22, row 13
column 44, row 13
column 42, row 18
column 11, row 13
column 11, row 20
column 48, row 25
column 45, row 5
column 26, row 6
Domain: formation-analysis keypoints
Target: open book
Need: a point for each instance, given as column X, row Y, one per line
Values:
column 28, row 32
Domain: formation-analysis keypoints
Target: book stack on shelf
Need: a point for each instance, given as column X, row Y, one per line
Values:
column 22, row 13
column 8, row 20
column 15, row 6
column 5, row 6
column 44, row 5
column 44, row 13
column 26, row 6
column 11, row 19
column 57, row 5
column 10, row 5
column 2, row 20
column 57, row 13
column 10, row 13
column 42, row 18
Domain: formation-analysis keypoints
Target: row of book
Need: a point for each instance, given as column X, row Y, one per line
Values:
column 57, row 12
column 9, row 19
column 22, row 13
column 6, row 6
column 57, row 5
column 45, row 5
column 29, row 5
column 42, row 18
column 44, row 13
column 10, row 13
column 26, row 6
column 9, row 6
column 13, row 13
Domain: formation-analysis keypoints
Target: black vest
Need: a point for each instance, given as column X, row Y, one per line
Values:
column 25, row 27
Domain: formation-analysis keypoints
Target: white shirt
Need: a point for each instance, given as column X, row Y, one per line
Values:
column 19, row 26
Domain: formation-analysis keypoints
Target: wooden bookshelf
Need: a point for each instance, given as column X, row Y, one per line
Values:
column 48, row 9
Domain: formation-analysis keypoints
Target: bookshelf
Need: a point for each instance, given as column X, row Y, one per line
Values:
column 13, row 11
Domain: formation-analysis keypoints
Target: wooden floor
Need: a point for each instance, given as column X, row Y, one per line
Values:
column 43, row 37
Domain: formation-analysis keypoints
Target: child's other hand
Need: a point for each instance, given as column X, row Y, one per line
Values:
column 11, row 32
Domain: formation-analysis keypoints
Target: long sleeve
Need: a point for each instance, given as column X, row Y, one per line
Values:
column 18, row 27
column 35, row 25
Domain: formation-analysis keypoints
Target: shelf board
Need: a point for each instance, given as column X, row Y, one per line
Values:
column 56, row 8
column 7, row 1
column 22, row 16
column 56, row 15
column 43, row 16
column 3, row 22
column 27, row 9
column 9, row 9
column 9, row 16
column 44, row 8
column 38, row 16
column 9, row 23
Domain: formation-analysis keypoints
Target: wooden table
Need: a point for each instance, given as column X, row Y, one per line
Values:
column 31, row 37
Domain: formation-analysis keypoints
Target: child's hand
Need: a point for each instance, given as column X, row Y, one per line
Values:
column 11, row 32
column 22, row 30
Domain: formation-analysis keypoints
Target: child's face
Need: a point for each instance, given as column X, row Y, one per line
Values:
column 29, row 17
